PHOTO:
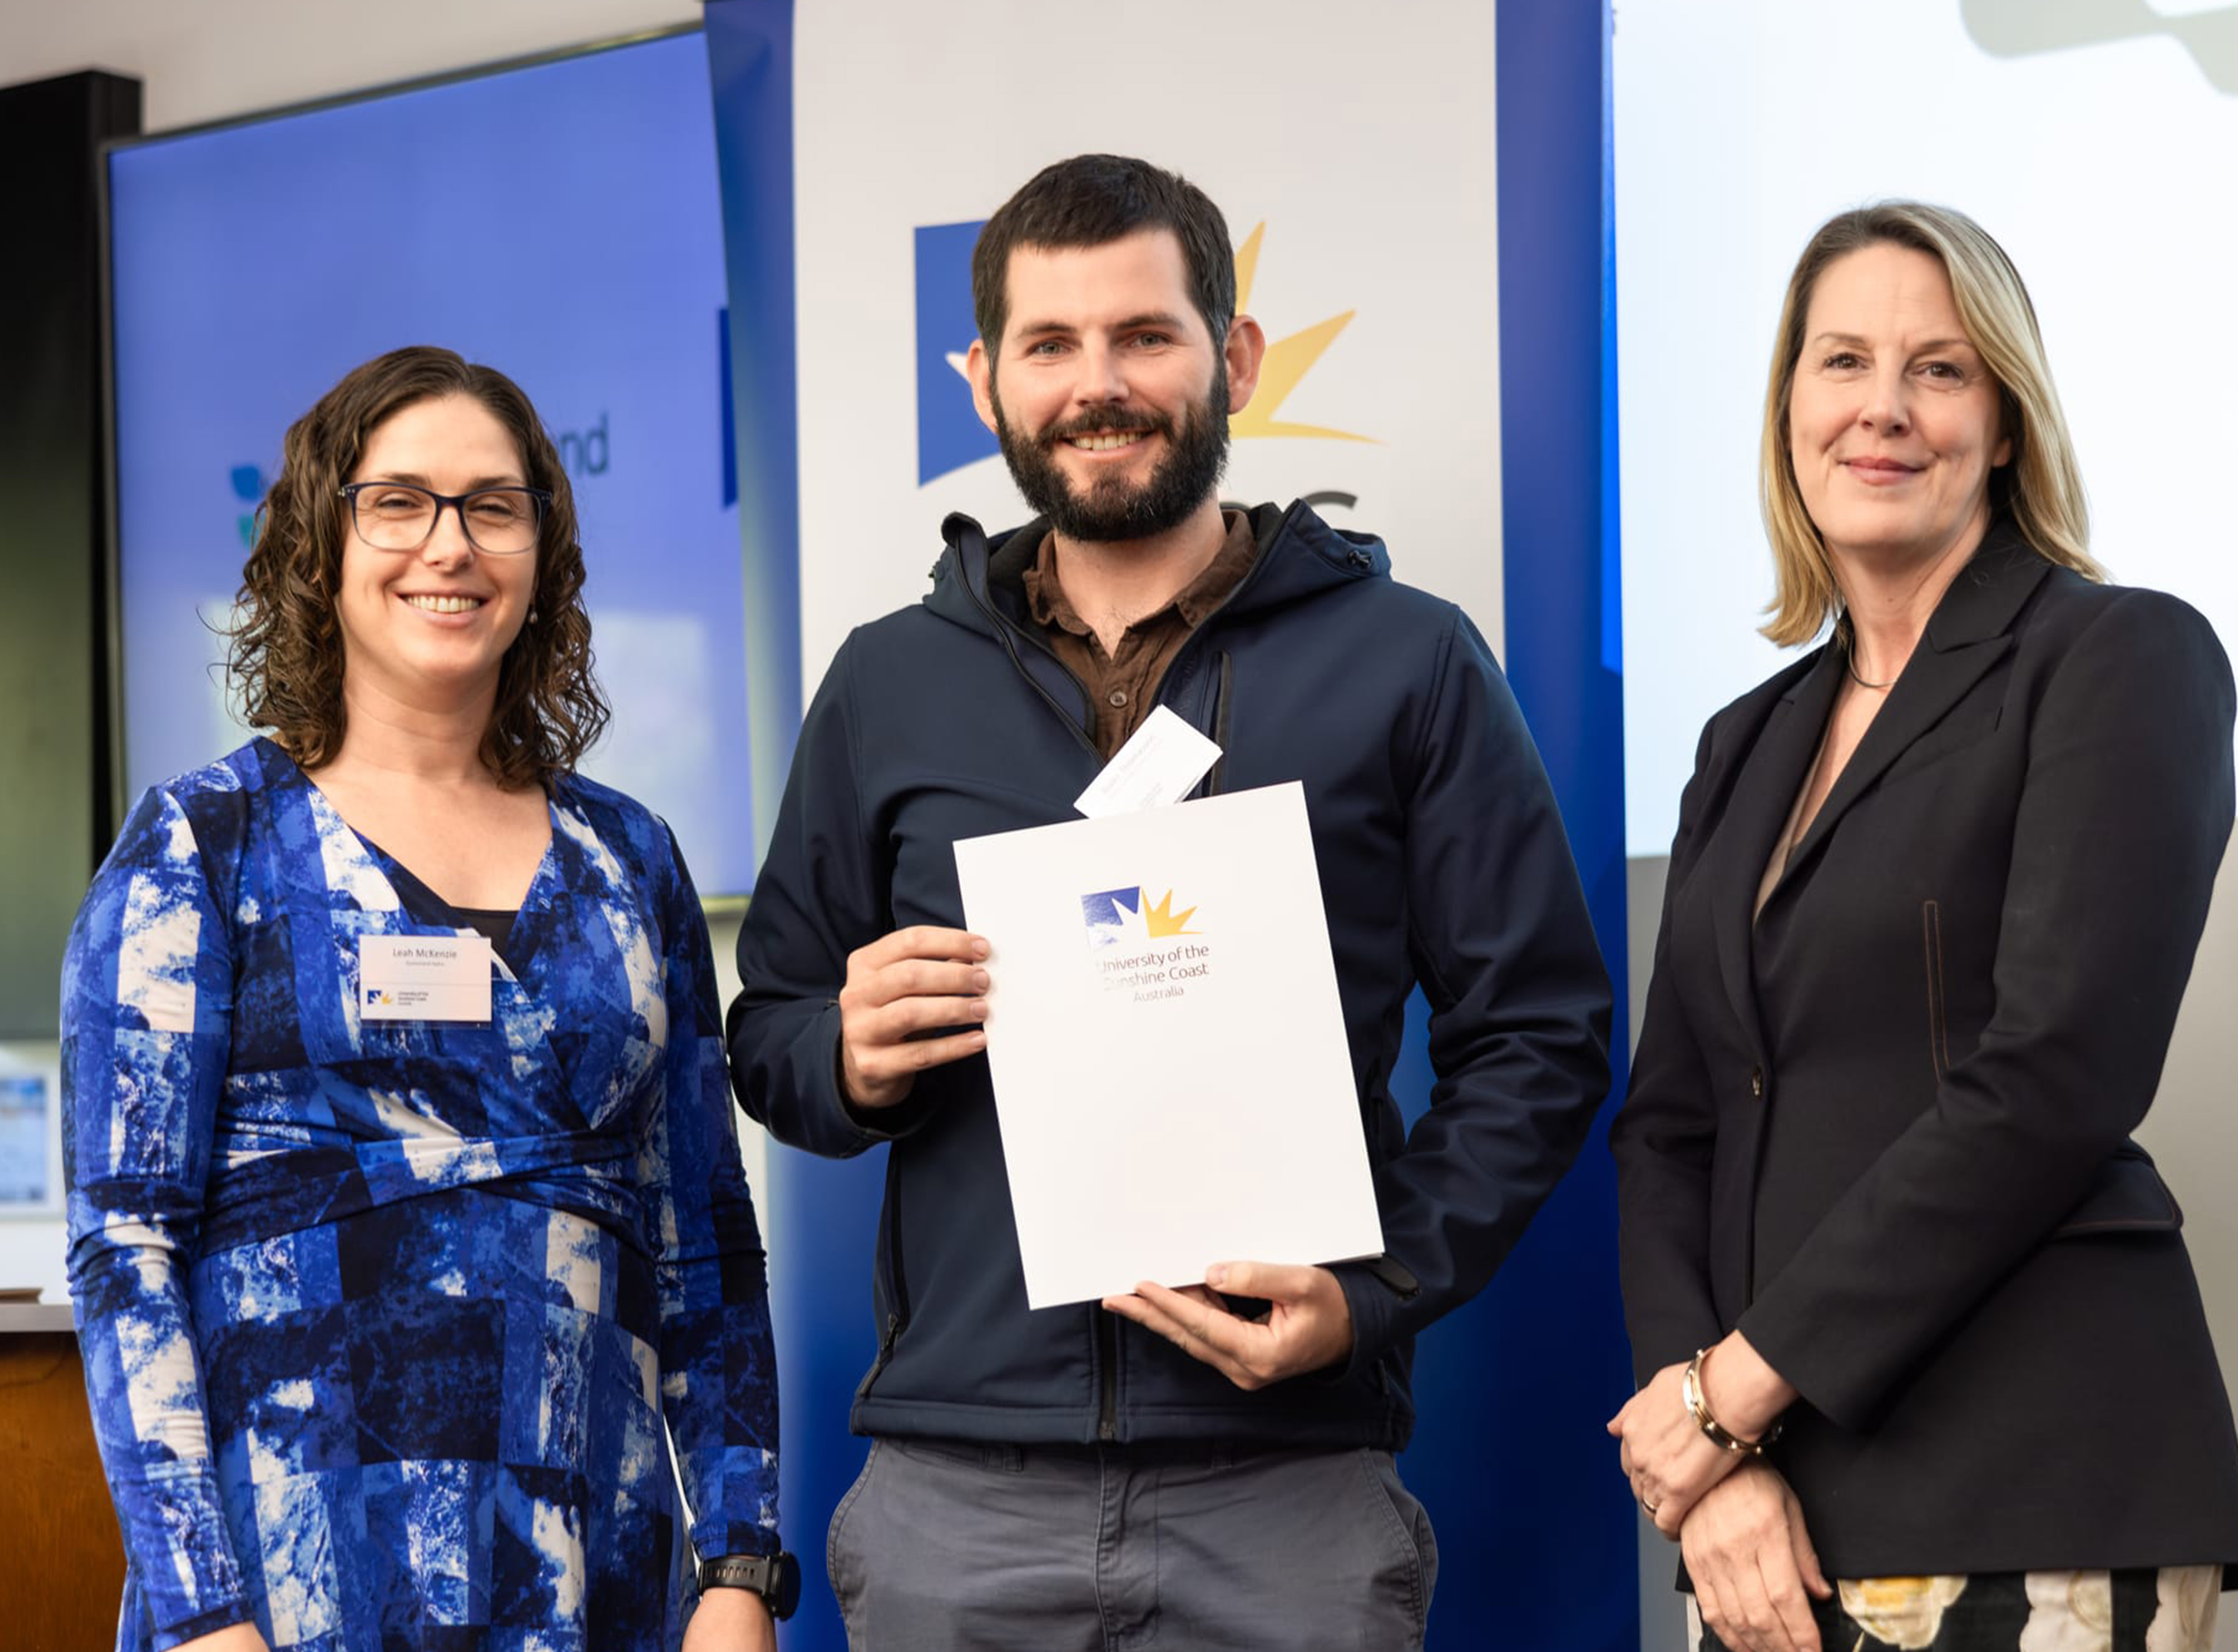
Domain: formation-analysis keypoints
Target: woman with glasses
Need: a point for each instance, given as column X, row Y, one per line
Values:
column 405, row 1213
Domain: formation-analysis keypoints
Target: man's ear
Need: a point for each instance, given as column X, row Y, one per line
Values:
column 979, row 367
column 1246, row 348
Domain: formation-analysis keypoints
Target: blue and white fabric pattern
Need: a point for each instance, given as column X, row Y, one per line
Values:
column 388, row 1324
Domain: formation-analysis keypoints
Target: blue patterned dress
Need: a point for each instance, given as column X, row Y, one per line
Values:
column 383, row 1320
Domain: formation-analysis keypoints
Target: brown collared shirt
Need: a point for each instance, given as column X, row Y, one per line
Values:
column 1123, row 684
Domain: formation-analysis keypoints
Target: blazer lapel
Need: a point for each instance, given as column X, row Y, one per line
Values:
column 1763, row 794
column 1969, row 633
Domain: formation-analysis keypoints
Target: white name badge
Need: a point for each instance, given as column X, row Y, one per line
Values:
column 1156, row 766
column 423, row 978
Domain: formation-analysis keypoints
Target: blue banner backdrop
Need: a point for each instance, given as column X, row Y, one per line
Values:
column 750, row 65
column 1514, row 1391
column 1535, row 1523
column 819, row 1216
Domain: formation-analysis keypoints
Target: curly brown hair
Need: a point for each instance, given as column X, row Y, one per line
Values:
column 285, row 657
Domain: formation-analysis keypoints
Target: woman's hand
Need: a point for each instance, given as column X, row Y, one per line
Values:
column 729, row 1620
column 1751, row 1563
column 235, row 1637
column 1663, row 1450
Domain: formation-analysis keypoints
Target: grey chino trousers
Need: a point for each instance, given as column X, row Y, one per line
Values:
column 941, row 1546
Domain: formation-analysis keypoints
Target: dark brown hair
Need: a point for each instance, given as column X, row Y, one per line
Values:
column 286, row 657
column 1092, row 200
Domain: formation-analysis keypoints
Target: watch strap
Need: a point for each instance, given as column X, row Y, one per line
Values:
column 776, row 1578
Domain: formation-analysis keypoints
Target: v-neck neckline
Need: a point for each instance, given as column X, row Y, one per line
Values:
column 521, row 943
column 420, row 898
column 1781, row 861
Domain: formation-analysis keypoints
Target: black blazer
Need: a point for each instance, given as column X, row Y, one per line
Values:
column 1884, row 1128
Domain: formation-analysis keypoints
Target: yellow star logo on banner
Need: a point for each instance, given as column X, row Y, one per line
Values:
column 1287, row 361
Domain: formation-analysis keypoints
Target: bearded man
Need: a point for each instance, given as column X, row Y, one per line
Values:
column 1210, row 1467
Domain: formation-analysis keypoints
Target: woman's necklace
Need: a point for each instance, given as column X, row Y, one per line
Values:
column 1850, row 660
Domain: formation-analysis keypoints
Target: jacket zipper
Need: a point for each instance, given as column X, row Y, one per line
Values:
column 1183, row 664
column 1107, row 1425
column 1107, row 1333
column 1003, row 629
column 1106, row 1339
column 1107, row 1361
column 1217, row 779
column 897, row 1307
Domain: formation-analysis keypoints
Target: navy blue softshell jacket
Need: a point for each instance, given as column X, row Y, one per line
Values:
column 1442, row 863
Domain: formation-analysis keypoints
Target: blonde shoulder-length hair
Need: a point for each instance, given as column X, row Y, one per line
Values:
column 2041, row 487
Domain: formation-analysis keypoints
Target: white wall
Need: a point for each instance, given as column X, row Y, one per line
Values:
column 207, row 59
column 1741, row 125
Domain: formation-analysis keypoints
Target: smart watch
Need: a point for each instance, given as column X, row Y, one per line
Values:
column 776, row 1578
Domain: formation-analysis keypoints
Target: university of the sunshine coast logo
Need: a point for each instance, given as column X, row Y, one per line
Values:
column 1123, row 917
column 1143, row 947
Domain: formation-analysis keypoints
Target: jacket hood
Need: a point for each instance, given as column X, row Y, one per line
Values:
column 1300, row 556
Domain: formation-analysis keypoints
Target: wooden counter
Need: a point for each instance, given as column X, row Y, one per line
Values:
column 61, row 1564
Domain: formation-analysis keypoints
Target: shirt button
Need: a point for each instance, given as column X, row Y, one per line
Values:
column 1756, row 1082
column 1118, row 696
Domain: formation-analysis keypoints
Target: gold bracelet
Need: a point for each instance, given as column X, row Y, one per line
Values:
column 1698, row 1408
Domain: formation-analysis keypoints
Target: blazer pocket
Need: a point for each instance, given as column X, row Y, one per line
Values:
column 1939, row 1017
column 2126, row 1196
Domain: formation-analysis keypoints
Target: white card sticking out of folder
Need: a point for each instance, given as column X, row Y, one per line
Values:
column 1159, row 763
column 1167, row 1046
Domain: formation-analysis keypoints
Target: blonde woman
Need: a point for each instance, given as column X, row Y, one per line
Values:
column 1922, row 1363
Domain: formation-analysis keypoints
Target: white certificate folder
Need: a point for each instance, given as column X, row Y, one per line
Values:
column 1167, row 1046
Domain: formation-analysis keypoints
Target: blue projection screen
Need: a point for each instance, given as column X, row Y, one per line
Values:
column 560, row 220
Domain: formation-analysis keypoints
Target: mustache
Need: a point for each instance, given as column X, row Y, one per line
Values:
column 1098, row 421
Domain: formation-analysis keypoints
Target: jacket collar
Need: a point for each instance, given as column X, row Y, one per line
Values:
column 1969, row 632
column 978, row 581
column 1986, row 598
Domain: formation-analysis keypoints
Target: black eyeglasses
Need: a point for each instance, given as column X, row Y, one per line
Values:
column 401, row 516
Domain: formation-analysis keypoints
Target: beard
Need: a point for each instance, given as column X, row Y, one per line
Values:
column 1111, row 507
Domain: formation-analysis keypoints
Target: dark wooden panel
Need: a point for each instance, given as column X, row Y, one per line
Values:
column 62, row 1564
